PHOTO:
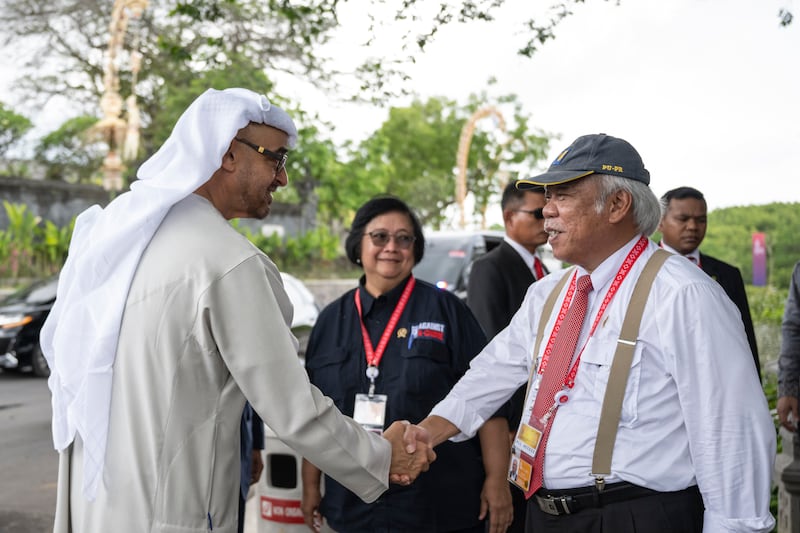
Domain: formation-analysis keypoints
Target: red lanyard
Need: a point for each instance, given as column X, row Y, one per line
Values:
column 374, row 355
column 623, row 271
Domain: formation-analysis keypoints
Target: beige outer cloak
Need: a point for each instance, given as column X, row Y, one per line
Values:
column 204, row 326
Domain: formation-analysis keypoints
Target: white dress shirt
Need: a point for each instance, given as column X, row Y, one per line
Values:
column 524, row 254
column 694, row 411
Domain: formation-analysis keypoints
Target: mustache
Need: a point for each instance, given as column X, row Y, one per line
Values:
column 550, row 227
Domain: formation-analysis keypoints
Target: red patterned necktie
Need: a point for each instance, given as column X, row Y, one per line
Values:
column 556, row 372
column 692, row 258
column 537, row 267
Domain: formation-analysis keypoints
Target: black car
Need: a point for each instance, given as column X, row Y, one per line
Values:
column 23, row 313
column 449, row 255
column 21, row 317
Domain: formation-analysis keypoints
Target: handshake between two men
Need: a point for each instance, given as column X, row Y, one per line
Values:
column 412, row 451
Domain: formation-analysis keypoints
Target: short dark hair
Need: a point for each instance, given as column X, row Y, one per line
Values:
column 375, row 207
column 514, row 197
column 681, row 193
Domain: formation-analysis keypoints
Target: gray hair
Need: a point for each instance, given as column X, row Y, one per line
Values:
column 646, row 207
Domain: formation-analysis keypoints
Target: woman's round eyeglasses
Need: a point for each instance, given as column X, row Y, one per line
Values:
column 381, row 238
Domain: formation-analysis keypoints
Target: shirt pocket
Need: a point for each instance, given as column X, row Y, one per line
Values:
column 334, row 371
column 426, row 369
column 595, row 370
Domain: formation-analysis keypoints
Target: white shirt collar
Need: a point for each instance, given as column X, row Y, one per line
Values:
column 605, row 272
column 694, row 253
column 523, row 252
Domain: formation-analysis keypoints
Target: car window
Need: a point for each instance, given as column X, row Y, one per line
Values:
column 446, row 258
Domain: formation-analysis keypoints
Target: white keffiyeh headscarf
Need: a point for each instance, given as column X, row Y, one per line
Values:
column 79, row 338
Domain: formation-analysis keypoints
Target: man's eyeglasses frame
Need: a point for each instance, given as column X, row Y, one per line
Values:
column 279, row 158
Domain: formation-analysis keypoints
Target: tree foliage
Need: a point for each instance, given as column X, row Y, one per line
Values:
column 12, row 127
column 176, row 40
column 413, row 155
column 729, row 238
column 424, row 19
column 184, row 46
column 73, row 152
column 28, row 248
column 190, row 45
column 62, row 44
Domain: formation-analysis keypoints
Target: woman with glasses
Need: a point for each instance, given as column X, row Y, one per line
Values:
column 389, row 350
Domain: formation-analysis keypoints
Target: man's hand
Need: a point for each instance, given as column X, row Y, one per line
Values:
column 411, row 451
column 312, row 496
column 256, row 467
column 787, row 406
column 310, row 508
column 496, row 501
column 496, row 494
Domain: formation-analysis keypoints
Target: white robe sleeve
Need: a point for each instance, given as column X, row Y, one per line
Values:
column 247, row 313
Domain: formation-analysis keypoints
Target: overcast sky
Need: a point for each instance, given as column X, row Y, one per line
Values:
column 708, row 91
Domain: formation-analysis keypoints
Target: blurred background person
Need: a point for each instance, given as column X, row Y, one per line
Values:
column 789, row 360
column 499, row 280
column 684, row 220
column 391, row 349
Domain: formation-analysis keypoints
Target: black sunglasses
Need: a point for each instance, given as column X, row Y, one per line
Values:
column 278, row 157
column 381, row 238
column 535, row 213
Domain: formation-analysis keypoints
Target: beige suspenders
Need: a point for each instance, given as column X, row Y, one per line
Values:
column 620, row 367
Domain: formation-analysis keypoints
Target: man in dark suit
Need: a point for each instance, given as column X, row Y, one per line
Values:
column 498, row 283
column 683, row 227
column 498, row 280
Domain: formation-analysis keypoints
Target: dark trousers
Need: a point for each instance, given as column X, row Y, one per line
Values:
column 241, row 512
column 662, row 512
column 520, row 510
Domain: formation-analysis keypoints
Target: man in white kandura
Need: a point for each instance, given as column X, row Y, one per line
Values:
column 166, row 319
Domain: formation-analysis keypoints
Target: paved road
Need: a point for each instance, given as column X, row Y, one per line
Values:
column 28, row 463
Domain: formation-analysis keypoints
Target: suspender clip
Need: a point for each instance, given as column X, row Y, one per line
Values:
column 599, row 483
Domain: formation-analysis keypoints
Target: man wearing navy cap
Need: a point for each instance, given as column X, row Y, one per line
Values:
column 683, row 441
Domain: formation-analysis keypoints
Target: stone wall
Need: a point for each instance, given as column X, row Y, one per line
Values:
column 59, row 202
column 52, row 200
column 327, row 290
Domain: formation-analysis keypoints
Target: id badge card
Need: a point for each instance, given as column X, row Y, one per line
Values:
column 519, row 471
column 528, row 438
column 370, row 412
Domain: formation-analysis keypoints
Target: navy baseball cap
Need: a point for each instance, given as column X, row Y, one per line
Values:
column 598, row 153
